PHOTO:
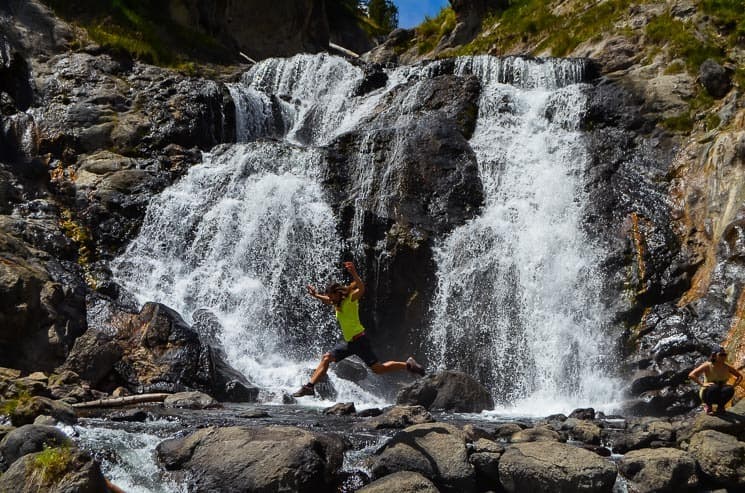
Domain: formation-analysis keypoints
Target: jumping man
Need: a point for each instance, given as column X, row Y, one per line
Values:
column 345, row 300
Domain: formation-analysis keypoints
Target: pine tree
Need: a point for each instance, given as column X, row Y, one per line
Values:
column 383, row 13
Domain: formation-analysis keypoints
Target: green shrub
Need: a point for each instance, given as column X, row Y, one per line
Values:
column 682, row 123
column 433, row 29
column 682, row 41
column 52, row 463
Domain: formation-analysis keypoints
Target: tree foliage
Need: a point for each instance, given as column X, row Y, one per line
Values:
column 383, row 13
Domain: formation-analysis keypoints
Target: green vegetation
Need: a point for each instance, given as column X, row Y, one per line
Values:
column 433, row 29
column 682, row 41
column 52, row 463
column 142, row 29
column 383, row 13
column 728, row 16
column 681, row 123
column 8, row 406
column 532, row 22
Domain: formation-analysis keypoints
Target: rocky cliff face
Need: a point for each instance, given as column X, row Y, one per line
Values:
column 88, row 137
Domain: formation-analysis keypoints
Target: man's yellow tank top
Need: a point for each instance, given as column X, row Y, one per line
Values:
column 348, row 315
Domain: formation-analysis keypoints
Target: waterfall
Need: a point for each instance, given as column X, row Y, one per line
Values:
column 242, row 233
column 518, row 302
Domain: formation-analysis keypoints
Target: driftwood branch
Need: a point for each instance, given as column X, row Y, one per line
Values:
column 123, row 401
column 343, row 50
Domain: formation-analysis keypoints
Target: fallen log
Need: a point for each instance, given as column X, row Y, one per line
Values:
column 123, row 401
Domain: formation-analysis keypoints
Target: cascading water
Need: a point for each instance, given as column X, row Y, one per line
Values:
column 518, row 294
column 243, row 232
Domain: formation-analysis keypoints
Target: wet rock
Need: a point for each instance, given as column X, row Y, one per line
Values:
column 351, row 370
column 369, row 413
column 130, row 415
column 583, row 431
column 583, row 413
column 556, row 467
column 640, row 433
column 28, row 439
column 255, row 459
column 340, row 409
column 714, row 78
column 28, row 409
column 484, row 457
column 401, row 482
column 447, row 390
column 507, row 430
column 93, row 356
column 45, row 420
column 436, row 450
column 254, row 414
column 659, row 470
column 537, row 434
column 76, row 471
column 156, row 351
column 720, row 457
column 729, row 423
column 190, row 400
column 398, row 417
column 40, row 317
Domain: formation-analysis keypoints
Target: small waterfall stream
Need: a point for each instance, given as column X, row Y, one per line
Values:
column 242, row 233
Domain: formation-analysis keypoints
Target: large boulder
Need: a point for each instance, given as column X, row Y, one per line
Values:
column 41, row 312
column 28, row 439
column 28, row 409
column 447, row 390
column 438, row 451
column 720, row 457
column 659, row 470
column 401, row 482
column 54, row 470
column 156, row 351
column 557, row 467
column 277, row 458
column 714, row 78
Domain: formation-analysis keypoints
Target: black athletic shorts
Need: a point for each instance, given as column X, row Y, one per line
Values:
column 361, row 347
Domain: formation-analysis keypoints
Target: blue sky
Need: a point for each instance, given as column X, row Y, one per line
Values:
column 411, row 12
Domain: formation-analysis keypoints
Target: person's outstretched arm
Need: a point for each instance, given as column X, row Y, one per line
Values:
column 357, row 286
column 320, row 297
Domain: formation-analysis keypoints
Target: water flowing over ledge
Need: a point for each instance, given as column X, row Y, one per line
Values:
column 517, row 287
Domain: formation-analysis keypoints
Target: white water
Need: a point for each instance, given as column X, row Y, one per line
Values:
column 518, row 294
column 130, row 462
column 242, row 233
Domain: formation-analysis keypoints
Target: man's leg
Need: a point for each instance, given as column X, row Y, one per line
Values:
column 388, row 366
column 322, row 368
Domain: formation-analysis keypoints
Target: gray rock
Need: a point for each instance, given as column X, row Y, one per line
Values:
column 93, row 356
column 659, row 470
column 714, row 78
column 447, row 390
column 77, row 473
column 583, row 431
column 401, row 482
column 190, row 400
column 255, row 459
column 556, row 467
column 398, row 417
column 436, row 450
column 720, row 457
column 28, row 439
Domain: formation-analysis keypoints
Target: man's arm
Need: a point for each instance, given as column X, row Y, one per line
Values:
column 737, row 374
column 357, row 287
column 320, row 297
